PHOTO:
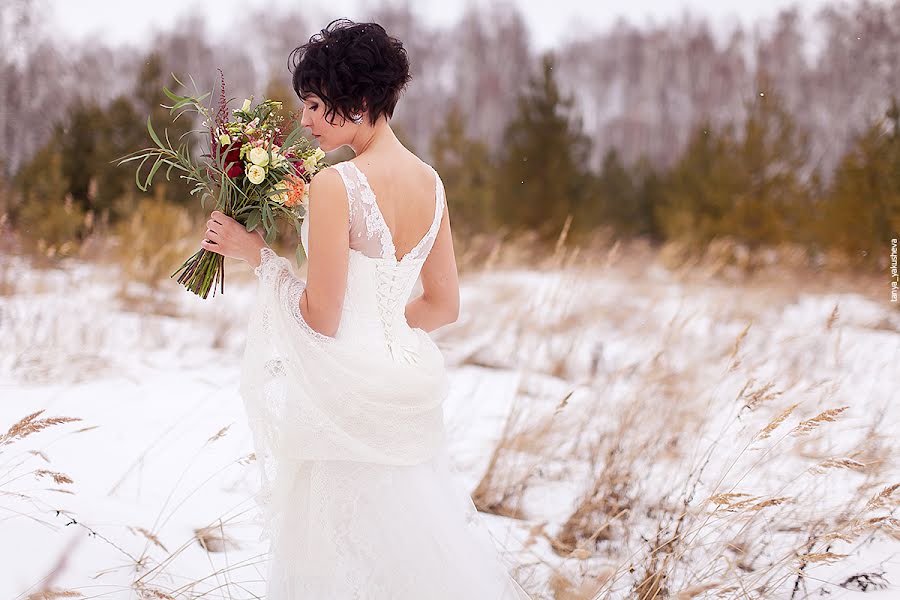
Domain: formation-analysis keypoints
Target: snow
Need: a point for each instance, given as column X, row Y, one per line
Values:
column 615, row 377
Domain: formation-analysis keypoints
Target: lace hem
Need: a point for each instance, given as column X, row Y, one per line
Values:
column 275, row 270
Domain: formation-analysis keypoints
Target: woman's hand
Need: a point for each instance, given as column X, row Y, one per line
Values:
column 229, row 238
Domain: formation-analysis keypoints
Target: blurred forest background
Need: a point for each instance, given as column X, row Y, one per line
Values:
column 671, row 134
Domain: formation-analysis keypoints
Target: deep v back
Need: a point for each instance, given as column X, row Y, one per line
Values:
column 368, row 233
column 377, row 208
column 368, row 230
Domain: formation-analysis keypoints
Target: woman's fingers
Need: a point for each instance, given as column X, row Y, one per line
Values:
column 212, row 234
column 211, row 246
column 224, row 235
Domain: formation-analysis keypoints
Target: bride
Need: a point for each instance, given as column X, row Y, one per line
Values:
column 342, row 384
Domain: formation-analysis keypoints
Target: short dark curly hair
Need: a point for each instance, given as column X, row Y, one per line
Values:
column 348, row 65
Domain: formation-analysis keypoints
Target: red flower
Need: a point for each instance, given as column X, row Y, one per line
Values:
column 234, row 166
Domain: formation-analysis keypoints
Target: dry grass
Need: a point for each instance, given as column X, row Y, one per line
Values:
column 150, row 246
column 17, row 471
column 151, row 566
column 704, row 480
column 742, row 511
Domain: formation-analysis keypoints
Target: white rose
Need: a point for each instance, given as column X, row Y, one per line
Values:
column 246, row 106
column 259, row 156
column 256, row 174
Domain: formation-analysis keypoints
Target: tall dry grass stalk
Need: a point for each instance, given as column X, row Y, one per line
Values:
column 21, row 500
column 154, row 565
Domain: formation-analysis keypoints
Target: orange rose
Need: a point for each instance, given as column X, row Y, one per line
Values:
column 296, row 188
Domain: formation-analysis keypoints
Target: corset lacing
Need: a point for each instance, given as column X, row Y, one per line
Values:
column 390, row 285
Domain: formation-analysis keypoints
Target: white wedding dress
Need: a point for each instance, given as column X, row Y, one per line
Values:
column 357, row 497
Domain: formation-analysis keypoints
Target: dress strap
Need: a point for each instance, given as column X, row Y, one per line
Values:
column 351, row 186
column 425, row 244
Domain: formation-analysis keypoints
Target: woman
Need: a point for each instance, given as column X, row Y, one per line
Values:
column 342, row 384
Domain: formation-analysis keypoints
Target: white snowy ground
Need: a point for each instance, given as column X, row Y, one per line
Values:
column 153, row 389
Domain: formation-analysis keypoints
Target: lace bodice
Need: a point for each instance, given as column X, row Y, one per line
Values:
column 378, row 285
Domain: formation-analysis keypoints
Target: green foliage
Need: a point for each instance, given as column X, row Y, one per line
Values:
column 82, row 150
column 748, row 187
column 78, row 141
column 48, row 217
column 543, row 174
column 771, row 156
column 861, row 211
column 616, row 193
column 699, row 190
column 745, row 182
column 625, row 198
column 467, row 172
column 648, row 193
column 151, row 100
column 119, row 135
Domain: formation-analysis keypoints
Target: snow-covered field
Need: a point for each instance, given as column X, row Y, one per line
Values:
column 618, row 420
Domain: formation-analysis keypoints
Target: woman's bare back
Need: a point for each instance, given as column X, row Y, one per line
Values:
column 404, row 189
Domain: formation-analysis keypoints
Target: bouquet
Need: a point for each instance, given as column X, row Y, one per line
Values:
column 255, row 172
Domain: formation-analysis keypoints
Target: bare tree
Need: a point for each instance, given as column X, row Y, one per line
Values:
column 492, row 59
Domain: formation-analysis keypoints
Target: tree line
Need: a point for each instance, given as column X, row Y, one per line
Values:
column 662, row 132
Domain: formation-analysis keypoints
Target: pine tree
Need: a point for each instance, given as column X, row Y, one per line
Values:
column 748, row 187
column 615, row 204
column 543, row 175
column 699, row 190
column 772, row 155
column 77, row 138
column 649, row 186
column 467, row 172
column 861, row 212
column 149, row 100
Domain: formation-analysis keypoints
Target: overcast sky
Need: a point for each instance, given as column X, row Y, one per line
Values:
column 548, row 20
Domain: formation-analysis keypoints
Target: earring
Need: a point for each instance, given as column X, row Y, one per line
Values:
column 356, row 118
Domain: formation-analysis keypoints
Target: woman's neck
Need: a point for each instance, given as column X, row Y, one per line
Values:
column 378, row 137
